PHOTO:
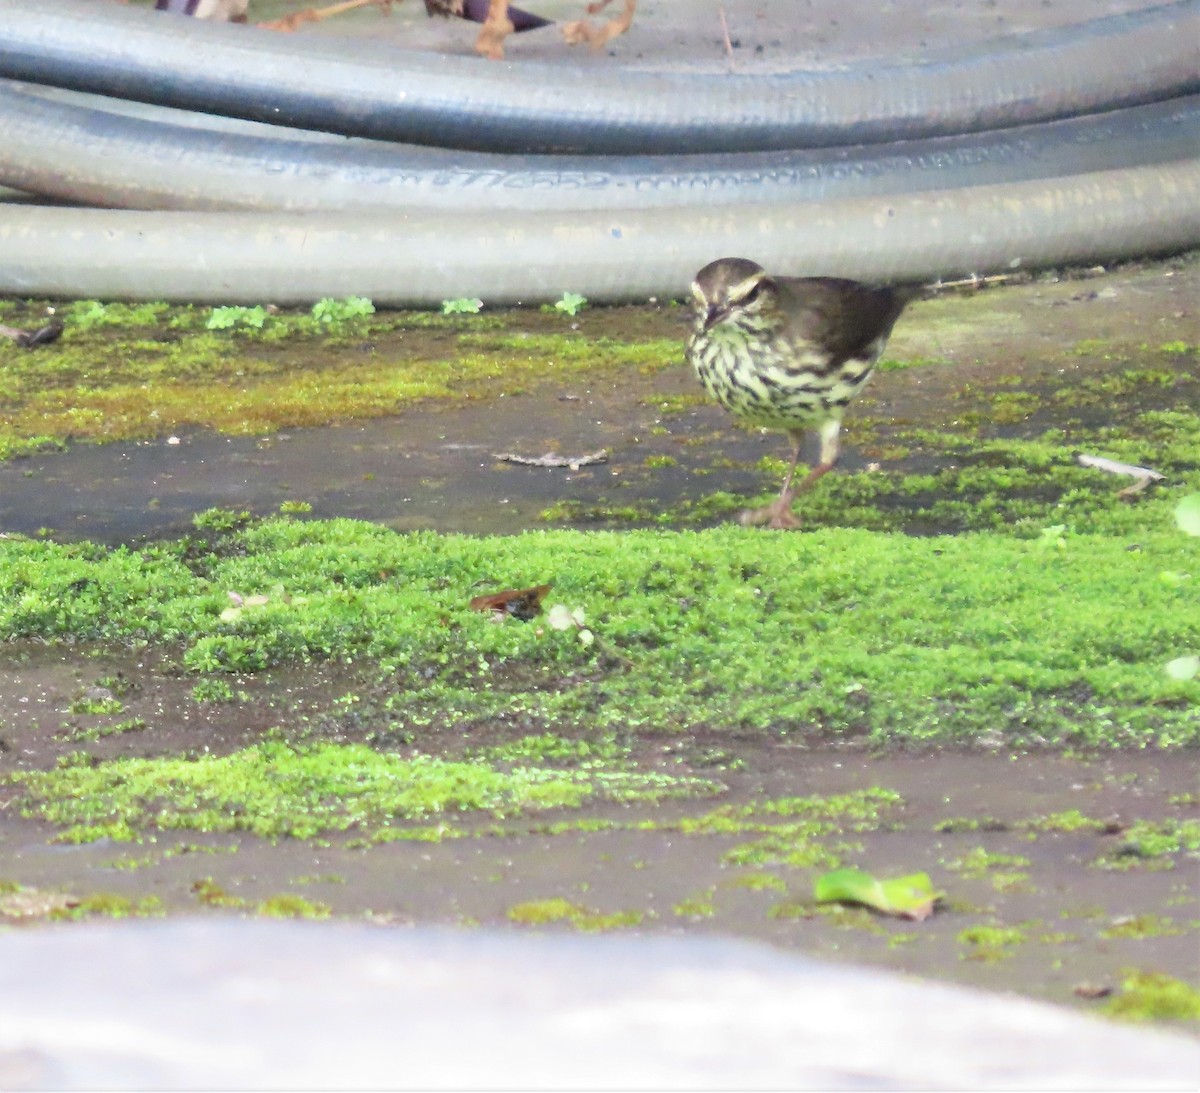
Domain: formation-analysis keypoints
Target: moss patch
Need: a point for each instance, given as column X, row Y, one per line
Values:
column 125, row 372
column 1153, row 996
column 990, row 944
column 545, row 912
column 274, row 790
column 839, row 633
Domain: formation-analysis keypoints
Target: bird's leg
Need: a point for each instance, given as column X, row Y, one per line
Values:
column 496, row 28
column 581, row 30
column 778, row 514
column 830, row 450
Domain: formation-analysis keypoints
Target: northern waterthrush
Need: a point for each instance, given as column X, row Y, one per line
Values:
column 788, row 353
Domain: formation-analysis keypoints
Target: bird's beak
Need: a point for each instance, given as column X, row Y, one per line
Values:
column 714, row 315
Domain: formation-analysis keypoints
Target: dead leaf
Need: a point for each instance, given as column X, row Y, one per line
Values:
column 520, row 603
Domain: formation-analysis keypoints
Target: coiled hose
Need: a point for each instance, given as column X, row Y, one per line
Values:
column 1029, row 152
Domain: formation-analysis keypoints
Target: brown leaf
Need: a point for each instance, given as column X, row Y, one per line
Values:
column 520, row 603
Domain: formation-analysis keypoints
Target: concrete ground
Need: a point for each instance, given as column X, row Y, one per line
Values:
column 256, row 1005
column 765, row 35
column 243, row 1005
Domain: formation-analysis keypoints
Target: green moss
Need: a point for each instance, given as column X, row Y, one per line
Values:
column 1153, row 996
column 669, row 405
column 116, row 728
column 958, row 824
column 798, row 832
column 1056, row 937
column 213, row 690
column 1150, row 843
column 428, row 833
column 123, row 372
column 551, row 747
column 990, row 944
column 837, row 633
column 211, row 894
column 1070, row 820
column 980, row 861
column 291, row 906
column 109, row 905
column 91, row 704
column 700, row 906
column 549, row 911
column 274, row 790
column 1142, row 926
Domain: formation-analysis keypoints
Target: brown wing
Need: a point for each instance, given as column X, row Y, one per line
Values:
column 842, row 318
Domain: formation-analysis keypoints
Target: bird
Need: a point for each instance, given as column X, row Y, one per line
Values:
column 788, row 353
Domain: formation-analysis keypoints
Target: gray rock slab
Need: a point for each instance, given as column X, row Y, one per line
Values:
column 227, row 1003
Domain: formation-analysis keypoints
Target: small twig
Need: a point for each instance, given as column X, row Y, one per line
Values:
column 974, row 283
column 1111, row 466
column 725, row 33
column 552, row 460
column 28, row 339
column 1144, row 475
column 315, row 15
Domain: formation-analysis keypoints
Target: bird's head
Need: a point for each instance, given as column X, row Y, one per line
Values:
column 730, row 287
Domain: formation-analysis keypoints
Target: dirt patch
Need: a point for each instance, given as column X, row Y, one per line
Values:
column 1053, row 882
column 1010, row 362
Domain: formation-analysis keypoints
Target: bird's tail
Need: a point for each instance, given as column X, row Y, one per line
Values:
column 476, row 12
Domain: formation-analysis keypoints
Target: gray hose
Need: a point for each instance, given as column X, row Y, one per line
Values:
column 64, row 146
column 366, row 89
column 419, row 260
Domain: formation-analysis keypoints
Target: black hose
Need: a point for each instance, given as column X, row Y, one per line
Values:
column 422, row 258
column 366, row 89
column 63, row 146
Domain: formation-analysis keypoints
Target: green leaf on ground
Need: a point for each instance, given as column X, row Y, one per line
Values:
column 911, row 897
column 462, row 306
column 571, row 303
column 1187, row 514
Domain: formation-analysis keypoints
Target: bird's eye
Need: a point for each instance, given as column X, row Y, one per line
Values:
column 753, row 294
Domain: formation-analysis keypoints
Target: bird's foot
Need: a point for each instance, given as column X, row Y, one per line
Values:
column 581, row 30
column 496, row 27
column 778, row 514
